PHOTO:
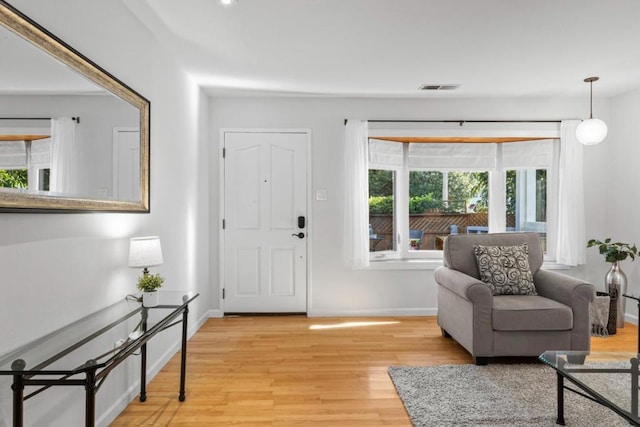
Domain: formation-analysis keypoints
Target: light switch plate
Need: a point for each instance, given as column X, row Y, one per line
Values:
column 321, row 195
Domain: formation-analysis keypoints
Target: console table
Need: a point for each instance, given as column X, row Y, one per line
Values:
column 110, row 336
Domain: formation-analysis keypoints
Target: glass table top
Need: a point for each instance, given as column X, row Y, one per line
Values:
column 604, row 375
column 96, row 338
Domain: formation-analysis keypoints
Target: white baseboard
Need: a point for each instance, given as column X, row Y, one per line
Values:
column 132, row 392
column 382, row 312
column 631, row 319
column 215, row 314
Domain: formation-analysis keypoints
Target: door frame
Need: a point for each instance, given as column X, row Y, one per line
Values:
column 221, row 198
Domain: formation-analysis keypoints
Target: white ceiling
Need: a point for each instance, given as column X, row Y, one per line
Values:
column 493, row 48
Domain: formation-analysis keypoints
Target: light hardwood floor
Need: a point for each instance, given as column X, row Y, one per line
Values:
column 299, row 371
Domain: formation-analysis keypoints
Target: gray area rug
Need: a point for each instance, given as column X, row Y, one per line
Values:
column 498, row 395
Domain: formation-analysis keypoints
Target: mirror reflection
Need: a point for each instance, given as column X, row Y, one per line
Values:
column 71, row 136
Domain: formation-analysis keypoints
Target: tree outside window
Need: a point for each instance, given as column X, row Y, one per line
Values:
column 13, row 178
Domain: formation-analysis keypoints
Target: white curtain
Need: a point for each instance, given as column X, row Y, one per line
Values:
column 13, row 155
column 451, row 156
column 356, row 194
column 497, row 194
column 41, row 153
column 528, row 154
column 571, row 248
column 385, row 154
column 63, row 175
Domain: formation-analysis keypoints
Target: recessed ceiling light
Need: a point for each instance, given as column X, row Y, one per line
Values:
column 228, row 2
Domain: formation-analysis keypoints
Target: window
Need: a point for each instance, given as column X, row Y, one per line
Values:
column 25, row 165
column 13, row 178
column 420, row 193
column 34, row 178
column 43, row 179
column 382, row 224
column 527, row 202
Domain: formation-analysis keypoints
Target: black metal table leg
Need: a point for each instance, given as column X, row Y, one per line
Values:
column 143, row 358
column 183, row 356
column 18, row 400
column 560, row 419
column 637, row 299
column 634, row 386
column 90, row 397
column 143, row 373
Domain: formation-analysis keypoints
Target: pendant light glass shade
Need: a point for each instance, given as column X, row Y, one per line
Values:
column 591, row 131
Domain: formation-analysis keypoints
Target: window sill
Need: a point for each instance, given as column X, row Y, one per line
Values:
column 406, row 264
column 552, row 265
column 433, row 263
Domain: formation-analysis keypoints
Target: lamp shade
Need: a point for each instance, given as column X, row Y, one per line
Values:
column 591, row 131
column 145, row 251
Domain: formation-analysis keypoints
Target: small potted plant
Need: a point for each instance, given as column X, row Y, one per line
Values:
column 616, row 281
column 614, row 252
column 149, row 285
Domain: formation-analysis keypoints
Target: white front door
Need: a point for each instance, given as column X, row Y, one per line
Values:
column 265, row 222
column 126, row 164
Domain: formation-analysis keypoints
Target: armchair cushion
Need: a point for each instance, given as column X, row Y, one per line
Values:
column 505, row 269
column 530, row 313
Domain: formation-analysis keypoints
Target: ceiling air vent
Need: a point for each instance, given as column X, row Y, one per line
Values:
column 439, row 87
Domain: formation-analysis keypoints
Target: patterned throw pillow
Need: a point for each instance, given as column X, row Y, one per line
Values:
column 505, row 269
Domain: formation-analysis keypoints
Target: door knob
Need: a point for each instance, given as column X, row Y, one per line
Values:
column 299, row 235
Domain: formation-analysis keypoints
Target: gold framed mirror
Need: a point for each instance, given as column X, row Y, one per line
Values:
column 72, row 136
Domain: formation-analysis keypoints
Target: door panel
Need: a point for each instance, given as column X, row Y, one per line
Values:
column 126, row 164
column 265, row 187
column 283, row 194
column 283, row 279
column 247, row 263
column 246, row 180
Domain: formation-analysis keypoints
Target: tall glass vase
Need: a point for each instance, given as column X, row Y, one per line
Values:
column 616, row 284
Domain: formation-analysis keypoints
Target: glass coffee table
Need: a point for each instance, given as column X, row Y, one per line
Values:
column 608, row 378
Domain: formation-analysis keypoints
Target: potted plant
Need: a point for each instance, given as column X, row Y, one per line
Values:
column 149, row 285
column 615, row 281
column 614, row 252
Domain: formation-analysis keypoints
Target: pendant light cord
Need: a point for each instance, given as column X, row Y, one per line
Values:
column 591, row 99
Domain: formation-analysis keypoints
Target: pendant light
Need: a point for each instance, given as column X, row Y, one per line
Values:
column 591, row 131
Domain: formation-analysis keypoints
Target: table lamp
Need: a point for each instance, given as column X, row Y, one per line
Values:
column 145, row 252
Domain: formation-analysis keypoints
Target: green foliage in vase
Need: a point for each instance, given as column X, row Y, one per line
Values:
column 150, row 282
column 616, row 251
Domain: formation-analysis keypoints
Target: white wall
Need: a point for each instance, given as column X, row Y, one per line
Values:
column 621, row 209
column 56, row 268
column 335, row 288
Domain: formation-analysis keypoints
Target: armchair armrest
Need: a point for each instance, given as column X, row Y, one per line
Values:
column 465, row 307
column 568, row 290
column 463, row 285
column 574, row 292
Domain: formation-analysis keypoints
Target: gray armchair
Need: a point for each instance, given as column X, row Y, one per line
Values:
column 488, row 325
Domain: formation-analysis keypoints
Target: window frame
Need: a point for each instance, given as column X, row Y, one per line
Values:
column 401, row 205
column 392, row 254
